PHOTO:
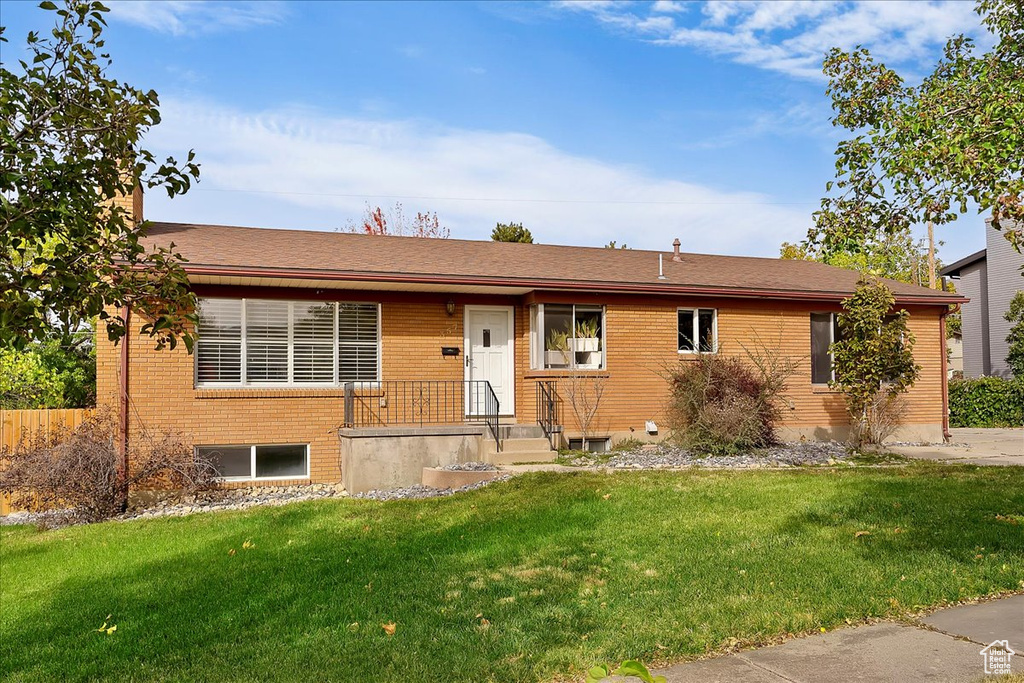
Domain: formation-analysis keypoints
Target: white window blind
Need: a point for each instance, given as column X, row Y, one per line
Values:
column 266, row 341
column 219, row 348
column 253, row 342
column 313, row 358
column 357, row 342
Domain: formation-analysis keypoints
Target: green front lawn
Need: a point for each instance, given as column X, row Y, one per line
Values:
column 522, row 581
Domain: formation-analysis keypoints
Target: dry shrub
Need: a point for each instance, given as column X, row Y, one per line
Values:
column 77, row 472
column 881, row 417
column 721, row 404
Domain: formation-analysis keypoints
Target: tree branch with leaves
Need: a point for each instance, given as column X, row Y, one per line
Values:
column 922, row 153
column 70, row 140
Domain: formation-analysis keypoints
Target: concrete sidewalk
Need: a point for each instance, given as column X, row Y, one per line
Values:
column 974, row 447
column 942, row 647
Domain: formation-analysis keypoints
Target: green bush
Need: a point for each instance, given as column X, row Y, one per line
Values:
column 986, row 402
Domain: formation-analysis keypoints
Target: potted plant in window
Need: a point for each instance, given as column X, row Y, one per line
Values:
column 587, row 339
column 556, row 353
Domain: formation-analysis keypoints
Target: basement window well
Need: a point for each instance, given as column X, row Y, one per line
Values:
column 239, row 463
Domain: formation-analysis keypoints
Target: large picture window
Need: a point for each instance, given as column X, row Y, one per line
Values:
column 254, row 342
column 567, row 336
column 258, row 462
column 698, row 330
column 824, row 331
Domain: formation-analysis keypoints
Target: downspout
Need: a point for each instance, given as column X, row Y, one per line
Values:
column 122, row 469
column 946, row 436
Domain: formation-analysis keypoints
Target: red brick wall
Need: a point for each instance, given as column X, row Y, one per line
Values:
column 640, row 336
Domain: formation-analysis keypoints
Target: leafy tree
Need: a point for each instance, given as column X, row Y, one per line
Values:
column 393, row 222
column 895, row 255
column 69, row 139
column 873, row 360
column 1015, row 315
column 59, row 372
column 921, row 153
column 614, row 245
column 511, row 232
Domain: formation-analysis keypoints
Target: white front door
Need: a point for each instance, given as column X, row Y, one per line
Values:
column 488, row 347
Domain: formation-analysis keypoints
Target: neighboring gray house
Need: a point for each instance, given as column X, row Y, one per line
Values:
column 989, row 278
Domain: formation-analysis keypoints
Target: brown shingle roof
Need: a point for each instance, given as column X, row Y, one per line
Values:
column 212, row 249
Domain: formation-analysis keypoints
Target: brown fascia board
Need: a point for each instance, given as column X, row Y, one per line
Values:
column 611, row 287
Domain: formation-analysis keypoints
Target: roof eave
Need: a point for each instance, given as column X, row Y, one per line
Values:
column 609, row 287
column 953, row 269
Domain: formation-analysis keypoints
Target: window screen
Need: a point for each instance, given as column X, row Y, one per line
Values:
column 697, row 330
column 824, row 331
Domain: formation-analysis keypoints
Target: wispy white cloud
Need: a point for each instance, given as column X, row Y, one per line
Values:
column 317, row 171
column 181, row 17
column 668, row 6
column 793, row 36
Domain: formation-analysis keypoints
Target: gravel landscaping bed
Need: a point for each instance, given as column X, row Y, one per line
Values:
column 207, row 501
column 663, row 456
column 420, row 491
column 469, row 467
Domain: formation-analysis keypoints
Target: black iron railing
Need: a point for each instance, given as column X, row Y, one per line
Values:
column 422, row 402
column 549, row 410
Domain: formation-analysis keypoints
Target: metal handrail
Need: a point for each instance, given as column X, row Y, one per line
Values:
column 422, row 402
column 549, row 405
column 491, row 406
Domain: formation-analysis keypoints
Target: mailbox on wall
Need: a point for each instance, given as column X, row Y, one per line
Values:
column 449, row 350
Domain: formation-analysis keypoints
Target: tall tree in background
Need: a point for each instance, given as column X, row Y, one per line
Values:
column 920, row 154
column 511, row 232
column 69, row 140
column 377, row 221
column 895, row 255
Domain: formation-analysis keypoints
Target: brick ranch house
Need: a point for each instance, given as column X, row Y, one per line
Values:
column 327, row 357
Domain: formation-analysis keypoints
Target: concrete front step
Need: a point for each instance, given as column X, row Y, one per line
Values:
column 527, row 431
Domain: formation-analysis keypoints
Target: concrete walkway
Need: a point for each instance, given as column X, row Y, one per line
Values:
column 942, row 647
column 975, row 447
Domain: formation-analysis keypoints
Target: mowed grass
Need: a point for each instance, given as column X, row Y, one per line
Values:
column 533, row 579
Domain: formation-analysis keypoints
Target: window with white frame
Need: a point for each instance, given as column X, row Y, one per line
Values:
column 824, row 331
column 698, row 330
column 256, row 342
column 565, row 336
column 283, row 461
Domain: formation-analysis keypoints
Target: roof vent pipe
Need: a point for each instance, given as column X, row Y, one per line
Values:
column 661, row 268
column 675, row 250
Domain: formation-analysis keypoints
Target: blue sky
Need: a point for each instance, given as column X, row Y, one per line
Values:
column 587, row 121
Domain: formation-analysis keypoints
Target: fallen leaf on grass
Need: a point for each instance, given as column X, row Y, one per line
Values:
column 248, row 545
column 109, row 630
column 861, row 533
column 231, row 552
column 389, row 628
column 354, row 626
column 607, row 496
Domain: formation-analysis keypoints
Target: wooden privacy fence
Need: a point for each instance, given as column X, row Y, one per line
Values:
column 18, row 424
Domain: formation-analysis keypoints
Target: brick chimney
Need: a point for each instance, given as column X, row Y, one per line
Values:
column 675, row 250
column 132, row 203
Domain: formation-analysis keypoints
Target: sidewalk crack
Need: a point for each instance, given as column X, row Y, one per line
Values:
column 765, row 669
